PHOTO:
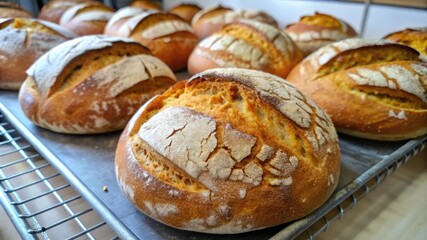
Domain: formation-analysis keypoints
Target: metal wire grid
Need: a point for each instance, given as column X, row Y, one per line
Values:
column 337, row 213
column 38, row 199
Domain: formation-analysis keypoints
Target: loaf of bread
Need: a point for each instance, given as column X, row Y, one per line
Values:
column 313, row 32
column 186, row 11
column 167, row 35
column 246, row 44
column 87, row 18
column 146, row 5
column 413, row 37
column 22, row 41
column 229, row 151
column 53, row 10
column 92, row 84
column 13, row 10
column 119, row 18
column 210, row 20
column 370, row 89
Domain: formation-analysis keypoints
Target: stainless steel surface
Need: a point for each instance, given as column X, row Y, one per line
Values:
column 365, row 164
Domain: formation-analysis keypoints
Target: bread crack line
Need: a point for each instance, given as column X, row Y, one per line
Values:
column 198, row 153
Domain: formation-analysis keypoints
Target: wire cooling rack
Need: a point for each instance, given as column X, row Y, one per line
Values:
column 40, row 202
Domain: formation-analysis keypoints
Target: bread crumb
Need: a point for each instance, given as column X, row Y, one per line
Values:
column 104, row 188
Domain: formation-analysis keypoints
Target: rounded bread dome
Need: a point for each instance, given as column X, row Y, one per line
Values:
column 413, row 37
column 315, row 31
column 168, row 36
column 95, row 86
column 13, row 10
column 86, row 18
column 53, row 10
column 244, row 147
column 185, row 11
column 212, row 19
column 22, row 42
column 119, row 18
column 246, row 44
column 373, row 89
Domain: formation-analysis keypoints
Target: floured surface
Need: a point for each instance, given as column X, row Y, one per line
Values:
column 324, row 54
column 128, row 72
column 395, row 76
column 45, row 76
column 123, row 13
column 165, row 28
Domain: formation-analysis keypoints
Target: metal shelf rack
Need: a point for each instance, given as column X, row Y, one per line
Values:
column 39, row 195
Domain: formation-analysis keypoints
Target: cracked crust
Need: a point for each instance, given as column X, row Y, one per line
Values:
column 379, row 91
column 240, row 145
column 22, row 41
column 96, row 86
column 246, row 44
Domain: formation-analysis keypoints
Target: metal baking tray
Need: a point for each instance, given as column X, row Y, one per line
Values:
column 90, row 162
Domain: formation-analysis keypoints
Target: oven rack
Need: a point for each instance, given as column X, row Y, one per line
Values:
column 42, row 198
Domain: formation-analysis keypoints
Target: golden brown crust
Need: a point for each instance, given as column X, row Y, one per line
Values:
column 185, row 11
column 168, row 36
column 413, row 37
column 146, row 5
column 210, row 20
column 87, row 18
column 22, row 41
column 231, row 142
column 13, row 10
column 313, row 32
column 53, row 10
column 246, row 44
column 374, row 90
column 97, row 84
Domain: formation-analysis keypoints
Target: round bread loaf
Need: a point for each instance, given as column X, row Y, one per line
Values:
column 313, row 32
column 413, row 37
column 22, row 41
column 246, row 44
column 370, row 89
column 186, row 11
column 167, row 35
column 96, row 84
column 120, row 17
column 146, row 5
column 53, row 10
column 229, row 151
column 13, row 10
column 87, row 18
column 210, row 20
